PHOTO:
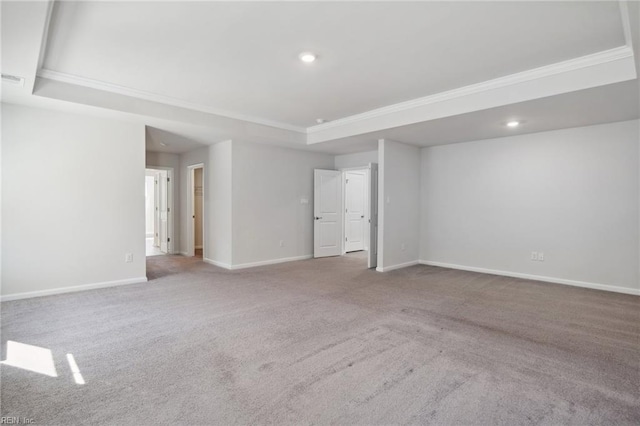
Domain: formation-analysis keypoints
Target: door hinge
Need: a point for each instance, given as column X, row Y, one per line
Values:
column 345, row 238
column 346, row 181
column 168, row 240
column 168, row 179
column 168, row 210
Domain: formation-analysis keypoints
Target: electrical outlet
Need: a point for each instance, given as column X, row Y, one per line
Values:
column 128, row 257
column 541, row 256
column 281, row 243
column 534, row 255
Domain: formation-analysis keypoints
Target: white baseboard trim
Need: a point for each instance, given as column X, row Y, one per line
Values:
column 215, row 263
column 60, row 290
column 254, row 264
column 398, row 266
column 271, row 262
column 183, row 253
column 554, row 280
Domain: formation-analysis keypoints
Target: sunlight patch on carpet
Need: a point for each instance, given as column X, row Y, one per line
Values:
column 31, row 358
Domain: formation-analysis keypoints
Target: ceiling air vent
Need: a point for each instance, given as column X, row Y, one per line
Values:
column 12, row 79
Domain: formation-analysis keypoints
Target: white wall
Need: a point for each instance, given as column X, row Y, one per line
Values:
column 355, row 160
column 268, row 185
column 252, row 201
column 572, row 194
column 217, row 204
column 163, row 159
column 398, row 205
column 73, row 201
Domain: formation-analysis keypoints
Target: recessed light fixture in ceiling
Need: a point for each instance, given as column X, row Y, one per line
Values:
column 513, row 124
column 320, row 120
column 307, row 57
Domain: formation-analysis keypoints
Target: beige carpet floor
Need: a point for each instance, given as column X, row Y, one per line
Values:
column 327, row 342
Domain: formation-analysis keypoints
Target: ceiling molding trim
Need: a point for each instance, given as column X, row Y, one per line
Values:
column 45, row 34
column 594, row 59
column 140, row 94
column 626, row 23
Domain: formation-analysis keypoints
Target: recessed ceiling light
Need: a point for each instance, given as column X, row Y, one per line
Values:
column 513, row 124
column 307, row 57
column 163, row 144
column 320, row 120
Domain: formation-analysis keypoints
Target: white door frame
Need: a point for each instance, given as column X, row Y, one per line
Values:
column 150, row 174
column 364, row 169
column 372, row 261
column 156, row 214
column 191, row 244
column 170, row 203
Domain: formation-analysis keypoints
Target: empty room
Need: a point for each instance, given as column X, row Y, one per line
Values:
column 292, row 213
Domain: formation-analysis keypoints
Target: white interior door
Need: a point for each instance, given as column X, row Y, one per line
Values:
column 373, row 216
column 163, row 207
column 355, row 203
column 149, row 205
column 327, row 208
column 156, row 212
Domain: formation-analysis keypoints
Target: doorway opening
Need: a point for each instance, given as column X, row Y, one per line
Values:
column 158, row 211
column 196, row 240
column 355, row 241
column 345, row 213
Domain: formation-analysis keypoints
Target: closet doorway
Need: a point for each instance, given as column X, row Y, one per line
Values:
column 196, row 239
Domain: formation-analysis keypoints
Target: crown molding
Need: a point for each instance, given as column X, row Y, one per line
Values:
column 45, row 34
column 626, row 23
column 564, row 67
column 594, row 59
column 153, row 97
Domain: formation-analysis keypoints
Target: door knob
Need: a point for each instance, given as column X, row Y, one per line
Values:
column 362, row 217
column 318, row 217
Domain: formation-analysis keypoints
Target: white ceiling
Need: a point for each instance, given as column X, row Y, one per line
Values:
column 241, row 57
column 197, row 73
column 604, row 104
column 158, row 140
